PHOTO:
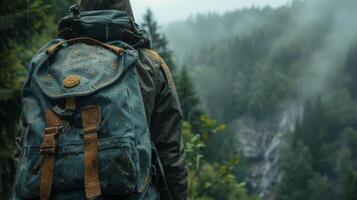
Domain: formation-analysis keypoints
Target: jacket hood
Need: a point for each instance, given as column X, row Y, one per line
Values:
column 105, row 26
column 122, row 5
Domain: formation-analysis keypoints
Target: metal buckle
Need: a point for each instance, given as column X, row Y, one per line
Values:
column 49, row 143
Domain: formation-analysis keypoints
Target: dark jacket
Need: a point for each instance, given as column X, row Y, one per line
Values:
column 162, row 106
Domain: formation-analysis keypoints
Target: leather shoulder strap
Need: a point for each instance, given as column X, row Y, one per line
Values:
column 154, row 56
column 49, row 150
column 91, row 117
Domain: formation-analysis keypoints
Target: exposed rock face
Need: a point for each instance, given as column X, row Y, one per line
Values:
column 261, row 142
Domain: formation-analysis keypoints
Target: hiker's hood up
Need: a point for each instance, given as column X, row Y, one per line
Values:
column 122, row 5
column 105, row 26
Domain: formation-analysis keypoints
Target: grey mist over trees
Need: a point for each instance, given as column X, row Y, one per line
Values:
column 324, row 27
column 279, row 77
column 335, row 19
column 283, row 80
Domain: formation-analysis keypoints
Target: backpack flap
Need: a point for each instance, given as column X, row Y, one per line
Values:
column 80, row 69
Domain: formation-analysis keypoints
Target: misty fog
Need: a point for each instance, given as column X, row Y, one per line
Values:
column 257, row 68
column 268, row 92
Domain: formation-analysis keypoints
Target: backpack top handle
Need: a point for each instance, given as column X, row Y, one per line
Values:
column 51, row 50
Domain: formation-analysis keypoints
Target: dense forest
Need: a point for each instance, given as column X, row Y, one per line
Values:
column 279, row 86
column 284, row 80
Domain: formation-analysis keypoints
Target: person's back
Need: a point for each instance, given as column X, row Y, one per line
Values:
column 106, row 22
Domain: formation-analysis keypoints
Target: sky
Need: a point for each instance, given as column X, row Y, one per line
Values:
column 167, row 11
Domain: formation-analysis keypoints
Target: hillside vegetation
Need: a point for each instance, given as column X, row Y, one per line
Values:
column 260, row 62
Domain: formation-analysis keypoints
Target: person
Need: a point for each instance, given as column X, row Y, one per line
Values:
column 168, row 175
column 162, row 106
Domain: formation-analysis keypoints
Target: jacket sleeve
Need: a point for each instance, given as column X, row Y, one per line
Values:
column 166, row 124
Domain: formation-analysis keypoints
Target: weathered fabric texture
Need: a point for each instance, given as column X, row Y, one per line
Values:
column 122, row 5
column 147, row 84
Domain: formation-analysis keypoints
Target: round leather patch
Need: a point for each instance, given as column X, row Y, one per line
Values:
column 71, row 81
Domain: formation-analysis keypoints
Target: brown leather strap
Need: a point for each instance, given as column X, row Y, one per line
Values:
column 153, row 55
column 86, row 40
column 48, row 150
column 91, row 117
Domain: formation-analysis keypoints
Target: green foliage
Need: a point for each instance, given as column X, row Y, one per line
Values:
column 328, row 130
column 351, row 187
column 252, row 60
column 188, row 98
column 319, row 160
column 210, row 180
column 251, row 63
column 10, row 108
column 319, row 187
column 19, row 20
column 270, row 85
column 297, row 167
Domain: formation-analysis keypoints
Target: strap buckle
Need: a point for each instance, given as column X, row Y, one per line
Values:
column 90, row 129
column 49, row 143
column 48, row 150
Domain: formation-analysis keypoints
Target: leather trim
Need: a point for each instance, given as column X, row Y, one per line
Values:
column 154, row 56
column 91, row 117
column 48, row 150
column 51, row 50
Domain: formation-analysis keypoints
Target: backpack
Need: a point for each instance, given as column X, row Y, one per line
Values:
column 83, row 125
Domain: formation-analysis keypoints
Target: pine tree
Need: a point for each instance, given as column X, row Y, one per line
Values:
column 351, row 187
column 158, row 41
column 188, row 98
column 297, row 169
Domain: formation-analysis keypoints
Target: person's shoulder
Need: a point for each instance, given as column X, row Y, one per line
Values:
column 152, row 59
column 160, row 65
column 152, row 55
column 156, row 58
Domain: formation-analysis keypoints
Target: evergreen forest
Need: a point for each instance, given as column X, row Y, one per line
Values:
column 269, row 95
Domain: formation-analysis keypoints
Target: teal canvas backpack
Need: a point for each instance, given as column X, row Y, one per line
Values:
column 83, row 125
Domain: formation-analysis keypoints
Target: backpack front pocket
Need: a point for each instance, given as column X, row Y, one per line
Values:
column 118, row 167
column 118, row 170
